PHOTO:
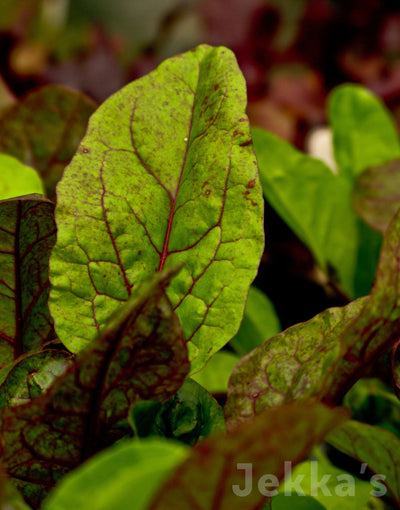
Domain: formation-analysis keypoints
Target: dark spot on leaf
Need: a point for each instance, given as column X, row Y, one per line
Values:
column 85, row 150
column 242, row 120
column 216, row 86
column 165, row 103
column 244, row 144
column 251, row 183
column 208, row 191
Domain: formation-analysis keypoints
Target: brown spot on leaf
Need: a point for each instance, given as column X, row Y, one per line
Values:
column 251, row 183
column 85, row 150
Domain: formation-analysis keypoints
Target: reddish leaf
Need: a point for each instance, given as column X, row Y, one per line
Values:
column 27, row 235
column 44, row 130
column 141, row 354
column 207, row 479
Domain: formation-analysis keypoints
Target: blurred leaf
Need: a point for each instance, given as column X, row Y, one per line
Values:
column 27, row 235
column 140, row 354
column 215, row 375
column 263, row 445
column 376, row 447
column 259, row 323
column 376, row 195
column 370, row 401
column 44, row 130
column 297, row 502
column 123, row 477
column 364, row 132
column 10, row 498
column 165, row 175
column 6, row 97
column 17, row 179
column 189, row 416
column 316, row 205
column 332, row 487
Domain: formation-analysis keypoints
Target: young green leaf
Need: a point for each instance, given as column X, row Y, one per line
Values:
column 316, row 205
column 27, row 235
column 123, row 477
column 376, row 447
column 166, row 174
column 229, row 471
column 364, row 132
column 376, row 197
column 326, row 355
column 189, row 416
column 17, row 179
column 259, row 323
column 44, row 130
column 140, row 354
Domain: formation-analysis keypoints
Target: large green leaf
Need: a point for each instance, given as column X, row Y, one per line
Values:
column 326, row 355
column 27, row 235
column 44, row 130
column 219, row 471
column 140, row 354
column 376, row 447
column 317, row 206
column 17, row 179
column 166, row 174
column 123, row 477
column 364, row 133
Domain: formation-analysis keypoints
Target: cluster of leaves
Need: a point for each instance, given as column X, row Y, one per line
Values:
column 118, row 292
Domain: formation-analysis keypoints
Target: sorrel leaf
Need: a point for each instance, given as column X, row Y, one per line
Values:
column 316, row 205
column 140, row 354
column 326, row 355
column 264, row 378
column 189, row 416
column 376, row 196
column 44, row 130
column 30, row 375
column 213, row 474
column 376, row 447
column 27, row 235
column 259, row 323
column 17, row 179
column 364, row 133
column 124, row 476
column 166, row 174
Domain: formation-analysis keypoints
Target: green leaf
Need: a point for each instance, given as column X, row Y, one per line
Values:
column 375, row 197
column 189, row 416
column 259, row 323
column 17, row 179
column 27, row 235
column 364, row 133
column 326, row 355
column 44, row 131
column 140, row 354
column 283, row 434
column 215, row 375
column 316, row 205
column 296, row 502
column 10, row 498
column 122, row 477
column 376, row 447
column 166, row 174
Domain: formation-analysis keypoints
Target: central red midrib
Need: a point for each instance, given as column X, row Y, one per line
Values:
column 164, row 253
